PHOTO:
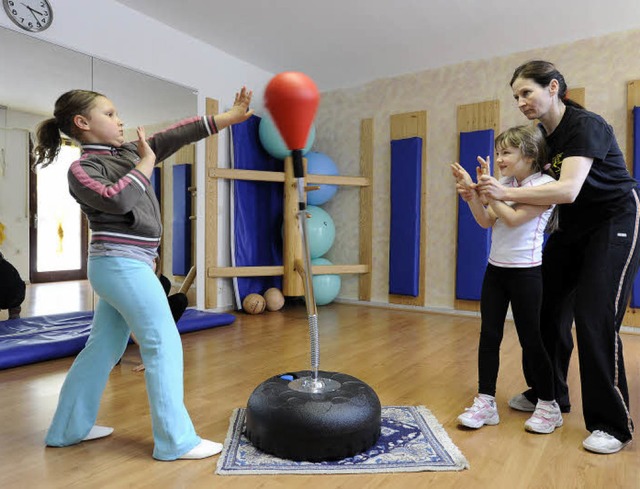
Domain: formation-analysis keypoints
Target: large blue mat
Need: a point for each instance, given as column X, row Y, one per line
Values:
column 406, row 205
column 257, row 207
column 39, row 338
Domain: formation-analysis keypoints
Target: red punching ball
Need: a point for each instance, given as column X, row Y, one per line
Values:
column 292, row 98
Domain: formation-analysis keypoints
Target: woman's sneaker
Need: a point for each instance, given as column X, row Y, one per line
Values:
column 601, row 442
column 521, row 403
column 483, row 411
column 546, row 418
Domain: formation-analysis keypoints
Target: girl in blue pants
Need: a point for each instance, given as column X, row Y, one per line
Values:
column 111, row 182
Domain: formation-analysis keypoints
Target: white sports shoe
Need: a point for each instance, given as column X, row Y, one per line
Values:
column 521, row 403
column 482, row 412
column 206, row 448
column 546, row 418
column 601, row 442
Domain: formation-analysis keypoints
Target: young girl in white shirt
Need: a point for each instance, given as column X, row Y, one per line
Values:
column 513, row 276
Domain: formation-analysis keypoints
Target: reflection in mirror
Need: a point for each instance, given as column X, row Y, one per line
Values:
column 33, row 73
column 142, row 99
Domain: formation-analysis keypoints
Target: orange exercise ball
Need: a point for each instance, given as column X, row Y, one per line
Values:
column 254, row 304
column 274, row 299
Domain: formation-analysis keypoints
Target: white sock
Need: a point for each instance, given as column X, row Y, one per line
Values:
column 98, row 432
column 205, row 449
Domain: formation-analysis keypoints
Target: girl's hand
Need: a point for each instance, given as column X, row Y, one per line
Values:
column 461, row 175
column 144, row 150
column 240, row 112
column 466, row 193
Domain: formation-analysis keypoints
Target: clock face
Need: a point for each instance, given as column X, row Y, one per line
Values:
column 31, row 15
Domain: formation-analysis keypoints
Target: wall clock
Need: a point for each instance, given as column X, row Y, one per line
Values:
column 30, row 15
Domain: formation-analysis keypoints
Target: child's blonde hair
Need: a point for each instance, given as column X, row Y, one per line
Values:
column 529, row 140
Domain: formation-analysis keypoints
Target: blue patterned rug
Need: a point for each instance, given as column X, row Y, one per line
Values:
column 412, row 440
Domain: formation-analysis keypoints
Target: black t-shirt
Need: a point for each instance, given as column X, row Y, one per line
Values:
column 607, row 186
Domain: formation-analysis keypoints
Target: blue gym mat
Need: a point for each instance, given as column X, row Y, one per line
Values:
column 406, row 205
column 635, row 292
column 474, row 242
column 39, row 338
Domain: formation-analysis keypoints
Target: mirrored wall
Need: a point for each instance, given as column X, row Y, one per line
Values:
column 33, row 73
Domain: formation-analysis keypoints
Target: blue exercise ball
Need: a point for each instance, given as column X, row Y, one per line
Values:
column 273, row 143
column 325, row 287
column 321, row 232
column 321, row 164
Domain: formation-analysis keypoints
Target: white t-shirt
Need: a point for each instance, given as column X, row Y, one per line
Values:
column 520, row 246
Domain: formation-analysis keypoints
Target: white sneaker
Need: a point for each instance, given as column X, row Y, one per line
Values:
column 482, row 412
column 521, row 403
column 601, row 442
column 204, row 449
column 546, row 418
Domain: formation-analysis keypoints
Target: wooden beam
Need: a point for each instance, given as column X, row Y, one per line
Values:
column 278, row 177
column 251, row 175
column 211, row 212
column 339, row 180
column 274, row 271
column 365, row 247
column 245, row 271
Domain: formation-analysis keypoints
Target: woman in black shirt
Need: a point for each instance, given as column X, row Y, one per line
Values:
column 593, row 256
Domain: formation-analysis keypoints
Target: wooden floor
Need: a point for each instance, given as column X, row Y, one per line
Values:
column 409, row 358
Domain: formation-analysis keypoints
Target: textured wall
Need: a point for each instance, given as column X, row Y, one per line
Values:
column 602, row 65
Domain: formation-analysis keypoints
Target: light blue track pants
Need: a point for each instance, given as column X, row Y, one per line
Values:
column 131, row 300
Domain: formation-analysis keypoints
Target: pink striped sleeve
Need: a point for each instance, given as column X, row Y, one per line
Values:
column 100, row 188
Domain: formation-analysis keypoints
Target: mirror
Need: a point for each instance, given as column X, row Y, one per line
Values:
column 33, row 73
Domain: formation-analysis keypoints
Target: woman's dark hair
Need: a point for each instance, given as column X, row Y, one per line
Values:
column 67, row 106
column 542, row 72
column 529, row 140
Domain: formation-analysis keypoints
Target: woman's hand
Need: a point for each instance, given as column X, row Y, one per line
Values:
column 490, row 188
column 483, row 169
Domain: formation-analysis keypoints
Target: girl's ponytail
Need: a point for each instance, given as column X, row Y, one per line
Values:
column 49, row 141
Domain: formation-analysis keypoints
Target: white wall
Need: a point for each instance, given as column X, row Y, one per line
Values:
column 116, row 33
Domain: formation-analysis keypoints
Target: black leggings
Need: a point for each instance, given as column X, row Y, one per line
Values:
column 522, row 287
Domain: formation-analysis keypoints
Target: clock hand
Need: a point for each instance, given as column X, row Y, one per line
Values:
column 33, row 12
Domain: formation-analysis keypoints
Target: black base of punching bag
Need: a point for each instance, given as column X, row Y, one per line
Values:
column 313, row 427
